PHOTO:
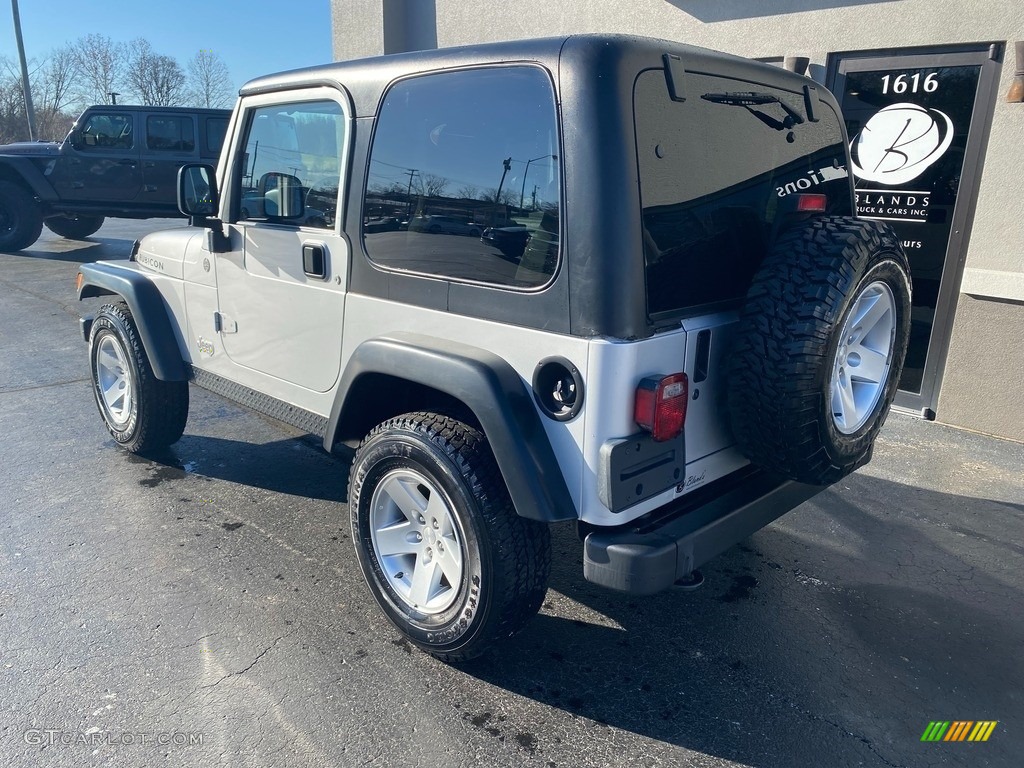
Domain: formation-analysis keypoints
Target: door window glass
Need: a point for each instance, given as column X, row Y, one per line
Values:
column 170, row 133
column 107, row 131
column 216, row 129
column 291, row 164
column 464, row 178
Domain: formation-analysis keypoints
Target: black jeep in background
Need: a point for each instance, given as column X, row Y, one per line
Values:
column 117, row 161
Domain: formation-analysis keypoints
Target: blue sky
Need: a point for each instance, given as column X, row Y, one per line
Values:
column 254, row 37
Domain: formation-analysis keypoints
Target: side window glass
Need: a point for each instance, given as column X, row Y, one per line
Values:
column 169, row 133
column 107, row 132
column 464, row 178
column 216, row 129
column 292, row 164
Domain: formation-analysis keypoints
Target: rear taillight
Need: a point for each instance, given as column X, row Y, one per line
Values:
column 660, row 405
column 806, row 203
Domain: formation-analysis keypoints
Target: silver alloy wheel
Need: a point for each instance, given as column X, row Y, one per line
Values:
column 417, row 540
column 113, row 376
column 860, row 370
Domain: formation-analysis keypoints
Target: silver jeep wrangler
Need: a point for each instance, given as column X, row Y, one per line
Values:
column 657, row 316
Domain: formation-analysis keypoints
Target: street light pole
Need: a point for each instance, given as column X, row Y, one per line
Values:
column 30, row 111
column 522, row 189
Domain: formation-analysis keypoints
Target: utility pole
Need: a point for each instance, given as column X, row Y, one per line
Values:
column 507, row 165
column 408, row 194
column 30, row 111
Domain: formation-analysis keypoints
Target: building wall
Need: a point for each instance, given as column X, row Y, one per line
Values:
column 990, row 313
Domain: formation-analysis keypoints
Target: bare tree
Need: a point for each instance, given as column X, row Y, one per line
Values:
column 58, row 79
column 434, row 185
column 101, row 63
column 209, row 82
column 156, row 80
column 469, row 191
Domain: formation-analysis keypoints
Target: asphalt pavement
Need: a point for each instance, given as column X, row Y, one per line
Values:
column 204, row 608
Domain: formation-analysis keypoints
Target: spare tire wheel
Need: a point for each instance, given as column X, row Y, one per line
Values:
column 819, row 348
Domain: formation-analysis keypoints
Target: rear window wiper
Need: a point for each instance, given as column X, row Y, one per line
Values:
column 749, row 99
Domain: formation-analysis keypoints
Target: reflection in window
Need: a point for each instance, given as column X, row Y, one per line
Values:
column 464, row 177
column 169, row 133
column 719, row 176
column 292, row 164
column 108, row 132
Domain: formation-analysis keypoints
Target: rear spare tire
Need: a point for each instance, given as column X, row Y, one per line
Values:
column 819, row 348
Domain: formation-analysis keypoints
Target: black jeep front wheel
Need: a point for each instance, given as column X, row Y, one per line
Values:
column 141, row 412
column 20, row 219
column 819, row 348
column 442, row 549
column 74, row 227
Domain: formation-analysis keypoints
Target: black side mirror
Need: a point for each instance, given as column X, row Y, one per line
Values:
column 283, row 195
column 198, row 197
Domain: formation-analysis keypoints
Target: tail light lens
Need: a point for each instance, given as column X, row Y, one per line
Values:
column 811, row 203
column 660, row 405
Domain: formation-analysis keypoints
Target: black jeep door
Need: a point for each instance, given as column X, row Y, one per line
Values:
column 101, row 163
column 170, row 142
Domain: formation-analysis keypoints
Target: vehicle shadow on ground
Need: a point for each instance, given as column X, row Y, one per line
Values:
column 771, row 666
column 80, row 251
column 295, row 466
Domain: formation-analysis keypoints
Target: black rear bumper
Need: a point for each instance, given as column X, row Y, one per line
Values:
column 651, row 553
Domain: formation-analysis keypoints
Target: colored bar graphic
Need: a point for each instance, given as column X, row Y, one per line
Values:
column 935, row 730
column 959, row 730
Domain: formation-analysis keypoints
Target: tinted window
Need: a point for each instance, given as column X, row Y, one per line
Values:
column 719, row 173
column 169, row 133
column 292, row 164
column 107, row 132
column 464, row 177
column 216, row 129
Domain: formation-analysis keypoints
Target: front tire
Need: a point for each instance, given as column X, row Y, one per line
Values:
column 440, row 545
column 74, row 228
column 20, row 219
column 141, row 412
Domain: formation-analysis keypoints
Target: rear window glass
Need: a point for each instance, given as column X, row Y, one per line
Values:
column 719, row 173
column 464, row 178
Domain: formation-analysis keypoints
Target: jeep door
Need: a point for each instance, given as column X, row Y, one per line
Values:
column 170, row 142
column 281, row 287
column 101, row 161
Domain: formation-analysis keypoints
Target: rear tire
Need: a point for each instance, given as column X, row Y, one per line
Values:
column 141, row 412
column 819, row 348
column 442, row 549
column 74, row 228
column 20, row 220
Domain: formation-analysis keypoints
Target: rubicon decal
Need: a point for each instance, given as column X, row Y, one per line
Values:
column 899, row 142
column 959, row 730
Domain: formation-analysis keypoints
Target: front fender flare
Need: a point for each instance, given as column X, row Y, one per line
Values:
column 148, row 309
column 492, row 390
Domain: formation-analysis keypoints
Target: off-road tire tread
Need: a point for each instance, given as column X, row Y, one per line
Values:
column 521, row 548
column 778, row 359
column 163, row 405
column 74, row 229
column 29, row 220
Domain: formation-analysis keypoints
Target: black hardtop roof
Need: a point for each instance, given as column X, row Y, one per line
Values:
column 143, row 108
column 572, row 55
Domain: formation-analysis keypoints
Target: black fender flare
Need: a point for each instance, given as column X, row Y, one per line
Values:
column 23, row 169
column 148, row 309
column 491, row 389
